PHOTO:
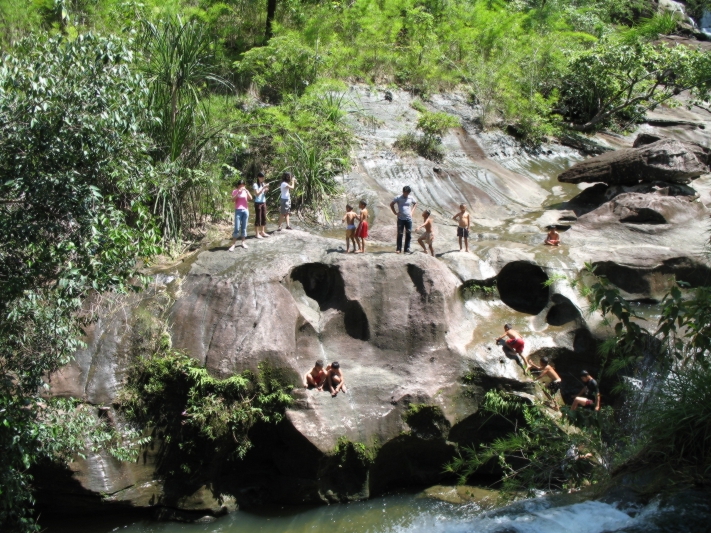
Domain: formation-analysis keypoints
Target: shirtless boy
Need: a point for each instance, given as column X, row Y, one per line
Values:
column 334, row 377
column 553, row 238
column 463, row 229
column 315, row 377
column 553, row 386
column 362, row 231
column 428, row 236
column 350, row 219
column 514, row 344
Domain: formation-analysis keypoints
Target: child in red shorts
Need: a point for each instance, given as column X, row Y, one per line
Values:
column 362, row 231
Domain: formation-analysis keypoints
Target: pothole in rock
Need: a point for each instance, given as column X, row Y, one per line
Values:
column 522, row 287
column 324, row 284
column 562, row 312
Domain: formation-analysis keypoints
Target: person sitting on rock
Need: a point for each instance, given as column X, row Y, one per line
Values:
column 514, row 344
column 463, row 228
column 553, row 238
column 428, row 236
column 553, row 386
column 350, row 218
column 315, row 377
column 335, row 379
column 589, row 395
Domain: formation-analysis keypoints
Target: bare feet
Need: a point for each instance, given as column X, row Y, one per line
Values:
column 265, row 236
column 258, row 236
column 244, row 245
column 359, row 251
column 232, row 248
column 397, row 252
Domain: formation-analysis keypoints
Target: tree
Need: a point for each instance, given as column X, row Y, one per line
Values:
column 75, row 166
column 617, row 82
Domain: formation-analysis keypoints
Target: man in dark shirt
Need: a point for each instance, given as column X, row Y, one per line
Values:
column 589, row 395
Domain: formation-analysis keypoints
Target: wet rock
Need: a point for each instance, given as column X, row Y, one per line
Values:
column 664, row 160
column 484, row 498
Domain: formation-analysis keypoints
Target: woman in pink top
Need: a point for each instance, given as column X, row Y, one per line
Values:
column 241, row 196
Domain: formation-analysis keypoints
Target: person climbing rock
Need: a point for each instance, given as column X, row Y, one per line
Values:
column 463, row 229
column 334, row 377
column 316, row 377
column 553, row 237
column 589, row 395
column 406, row 209
column 362, row 231
column 350, row 219
column 548, row 372
column 514, row 344
column 288, row 182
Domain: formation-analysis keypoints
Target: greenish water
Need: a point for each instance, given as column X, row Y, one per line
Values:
column 689, row 512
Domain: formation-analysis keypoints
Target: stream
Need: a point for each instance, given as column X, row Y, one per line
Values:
column 408, row 513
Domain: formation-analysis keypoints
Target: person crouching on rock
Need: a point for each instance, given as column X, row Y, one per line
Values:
column 315, row 377
column 553, row 238
column 589, row 395
column 514, row 344
column 334, row 377
column 349, row 218
column 428, row 236
column 362, row 231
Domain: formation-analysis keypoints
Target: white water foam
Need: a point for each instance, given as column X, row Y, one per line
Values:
column 587, row 517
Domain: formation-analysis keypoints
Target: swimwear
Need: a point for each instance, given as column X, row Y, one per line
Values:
column 320, row 377
column 463, row 232
column 362, row 231
column 554, row 386
column 515, row 344
column 350, row 226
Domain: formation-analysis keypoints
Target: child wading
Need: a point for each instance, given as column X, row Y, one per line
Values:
column 362, row 231
column 334, row 378
column 428, row 236
column 553, row 237
column 463, row 229
column 349, row 218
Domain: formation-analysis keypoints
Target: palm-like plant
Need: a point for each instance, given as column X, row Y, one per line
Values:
column 179, row 67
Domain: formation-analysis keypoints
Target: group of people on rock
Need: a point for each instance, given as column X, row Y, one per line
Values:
column 355, row 233
column 589, row 395
column 331, row 377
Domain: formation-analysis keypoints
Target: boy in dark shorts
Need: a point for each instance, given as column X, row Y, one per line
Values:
column 589, row 395
column 336, row 381
column 463, row 229
column 553, row 386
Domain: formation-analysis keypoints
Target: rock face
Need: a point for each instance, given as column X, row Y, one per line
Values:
column 663, row 160
column 398, row 324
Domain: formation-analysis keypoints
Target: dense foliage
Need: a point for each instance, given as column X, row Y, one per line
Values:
column 217, row 414
column 75, row 169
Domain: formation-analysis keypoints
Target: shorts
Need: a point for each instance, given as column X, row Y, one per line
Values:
column 589, row 403
column 260, row 214
column 515, row 344
column 426, row 238
column 362, row 231
column 553, row 386
column 463, row 232
column 285, row 207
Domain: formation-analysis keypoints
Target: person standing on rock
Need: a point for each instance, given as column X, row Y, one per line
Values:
column 463, row 229
column 335, row 379
column 288, row 182
column 241, row 197
column 362, row 231
column 260, row 207
column 514, row 344
column 406, row 209
column 589, row 395
column 350, row 218
column 428, row 236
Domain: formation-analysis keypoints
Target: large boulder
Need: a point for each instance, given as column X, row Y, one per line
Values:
column 663, row 160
